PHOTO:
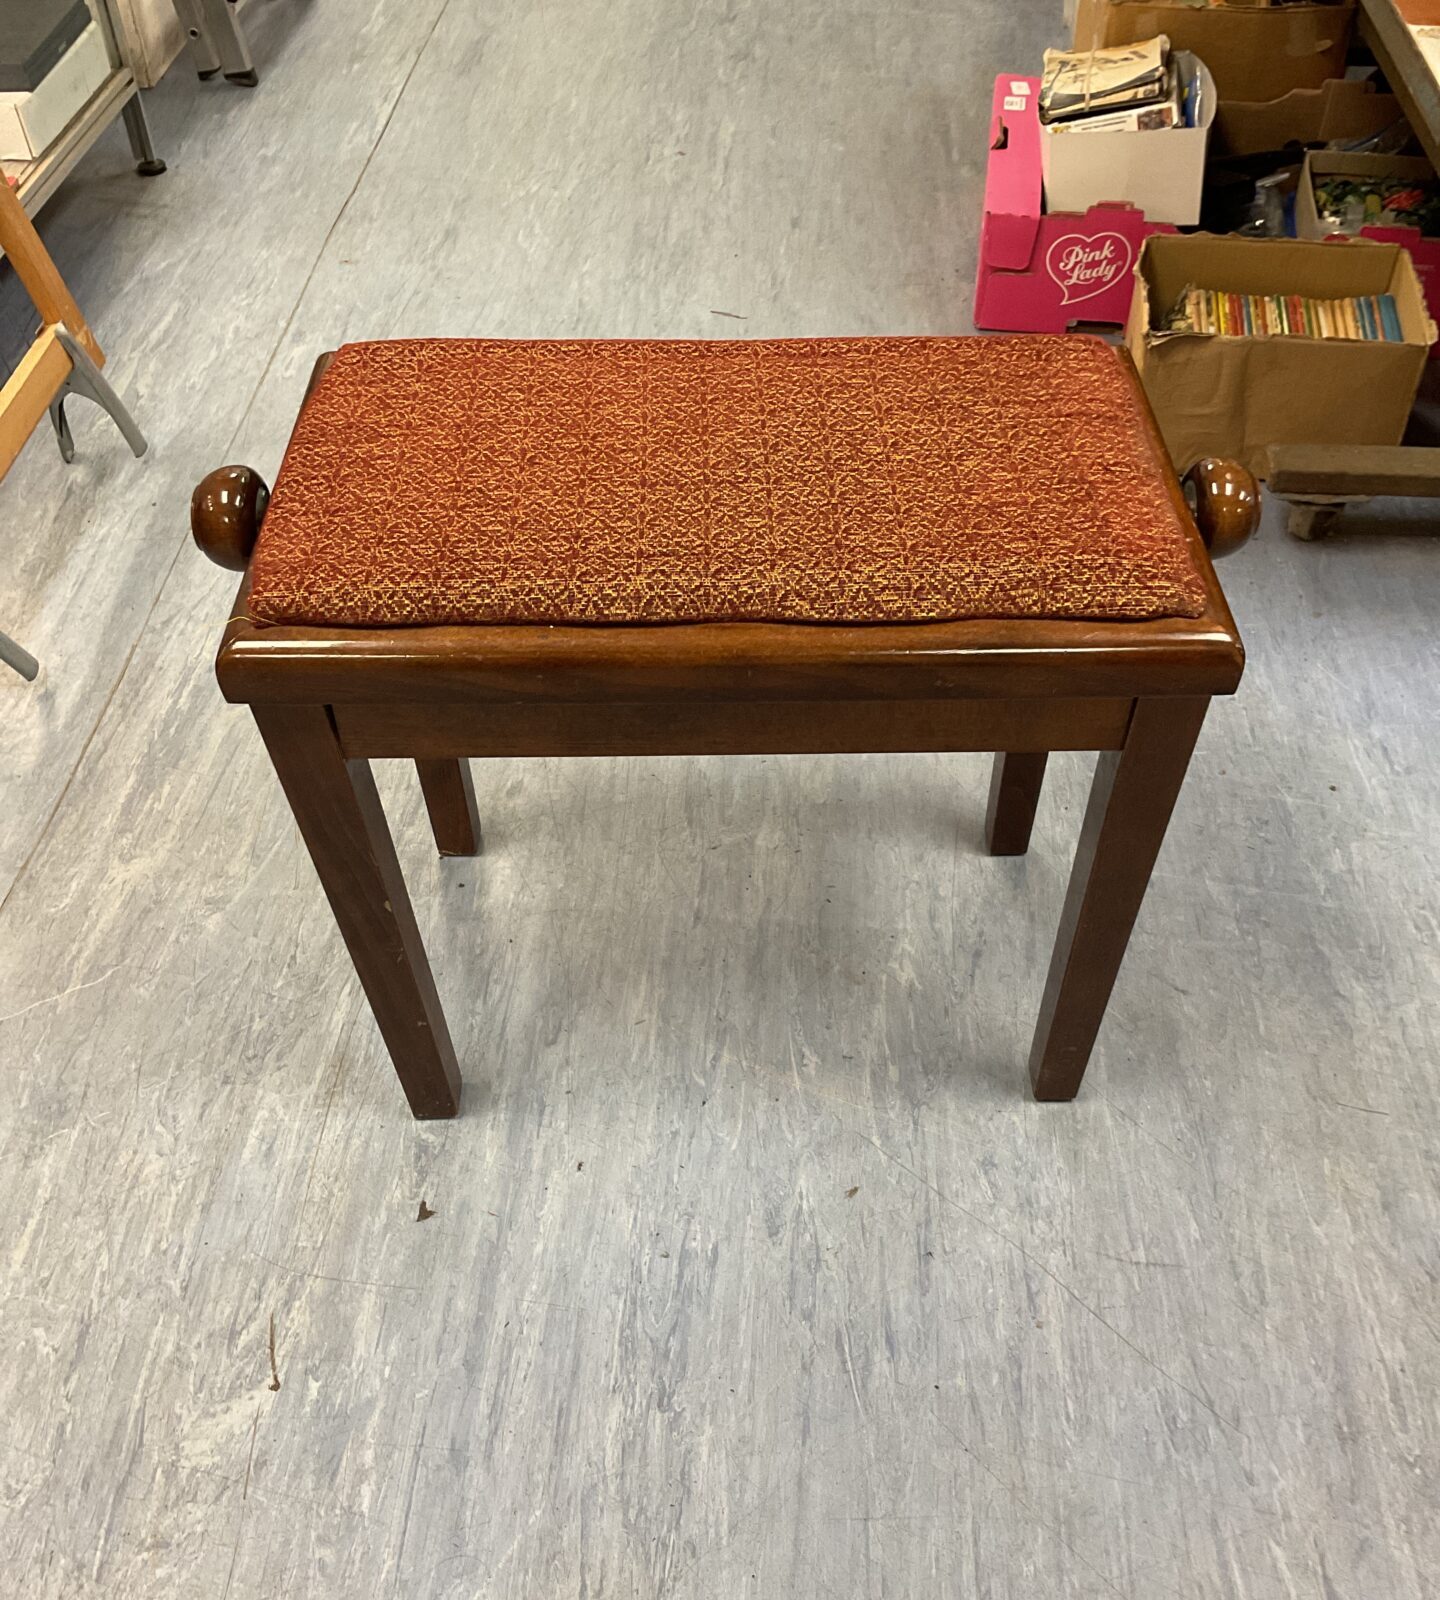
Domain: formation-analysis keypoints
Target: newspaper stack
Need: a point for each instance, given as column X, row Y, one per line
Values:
column 1126, row 88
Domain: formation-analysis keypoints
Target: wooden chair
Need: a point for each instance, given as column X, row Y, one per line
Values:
column 330, row 695
column 64, row 359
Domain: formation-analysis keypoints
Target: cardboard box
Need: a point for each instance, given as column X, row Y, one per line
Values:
column 1161, row 171
column 30, row 123
column 1255, row 52
column 1043, row 272
column 1338, row 109
column 1425, row 253
column 1215, row 394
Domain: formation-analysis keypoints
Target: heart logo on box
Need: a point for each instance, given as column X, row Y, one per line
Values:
column 1085, row 265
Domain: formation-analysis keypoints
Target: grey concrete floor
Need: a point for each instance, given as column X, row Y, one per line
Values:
column 753, row 1270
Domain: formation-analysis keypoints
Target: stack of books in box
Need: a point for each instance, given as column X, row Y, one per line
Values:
column 1131, row 88
column 1126, row 125
column 1248, row 315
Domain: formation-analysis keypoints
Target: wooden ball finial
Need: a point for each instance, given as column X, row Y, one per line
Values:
column 226, row 511
column 1225, row 499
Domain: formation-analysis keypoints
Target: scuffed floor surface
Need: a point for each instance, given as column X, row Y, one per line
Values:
column 752, row 1270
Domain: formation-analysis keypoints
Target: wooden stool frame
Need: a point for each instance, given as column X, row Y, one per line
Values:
column 64, row 358
column 64, row 353
column 329, row 700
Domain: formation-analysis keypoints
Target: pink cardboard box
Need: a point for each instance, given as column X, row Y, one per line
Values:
column 1041, row 272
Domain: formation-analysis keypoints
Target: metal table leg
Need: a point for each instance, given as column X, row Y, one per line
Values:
column 137, row 126
column 218, row 40
column 22, row 661
column 202, row 46
column 87, row 379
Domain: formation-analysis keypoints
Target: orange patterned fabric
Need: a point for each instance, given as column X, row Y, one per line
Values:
column 815, row 480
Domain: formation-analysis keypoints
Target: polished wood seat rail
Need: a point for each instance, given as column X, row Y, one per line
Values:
column 738, row 728
column 328, row 700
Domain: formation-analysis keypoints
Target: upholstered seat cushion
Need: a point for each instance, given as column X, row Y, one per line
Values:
column 822, row 480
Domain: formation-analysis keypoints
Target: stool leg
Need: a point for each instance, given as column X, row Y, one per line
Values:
column 1130, row 804
column 1014, row 794
column 340, row 817
column 450, row 799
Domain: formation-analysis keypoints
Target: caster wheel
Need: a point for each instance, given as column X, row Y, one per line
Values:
column 1311, row 523
column 151, row 169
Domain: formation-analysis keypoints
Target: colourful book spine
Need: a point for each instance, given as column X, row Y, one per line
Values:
column 1261, row 316
column 1390, row 318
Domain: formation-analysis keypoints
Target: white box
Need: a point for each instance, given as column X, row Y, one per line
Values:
column 1160, row 171
column 30, row 123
